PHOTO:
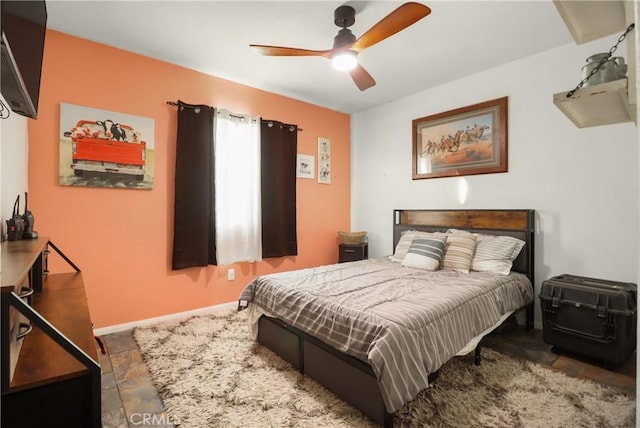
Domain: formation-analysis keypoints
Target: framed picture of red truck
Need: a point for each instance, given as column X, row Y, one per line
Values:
column 101, row 148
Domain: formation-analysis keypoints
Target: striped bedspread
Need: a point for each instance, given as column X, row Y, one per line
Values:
column 405, row 323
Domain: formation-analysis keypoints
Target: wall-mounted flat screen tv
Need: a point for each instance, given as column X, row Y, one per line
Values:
column 23, row 32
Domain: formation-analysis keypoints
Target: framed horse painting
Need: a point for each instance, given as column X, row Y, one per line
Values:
column 464, row 141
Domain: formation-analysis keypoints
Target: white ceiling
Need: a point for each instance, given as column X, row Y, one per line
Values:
column 458, row 39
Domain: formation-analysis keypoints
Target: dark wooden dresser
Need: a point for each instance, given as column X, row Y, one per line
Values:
column 50, row 374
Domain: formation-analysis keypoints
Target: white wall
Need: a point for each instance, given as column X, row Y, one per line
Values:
column 13, row 164
column 583, row 183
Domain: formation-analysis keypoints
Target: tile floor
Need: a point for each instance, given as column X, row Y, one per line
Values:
column 517, row 341
column 130, row 399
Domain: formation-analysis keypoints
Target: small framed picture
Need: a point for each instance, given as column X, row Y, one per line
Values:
column 306, row 166
column 324, row 160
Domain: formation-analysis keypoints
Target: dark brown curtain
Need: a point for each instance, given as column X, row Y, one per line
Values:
column 278, row 175
column 194, row 214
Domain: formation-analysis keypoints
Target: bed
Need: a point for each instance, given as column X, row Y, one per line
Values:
column 378, row 350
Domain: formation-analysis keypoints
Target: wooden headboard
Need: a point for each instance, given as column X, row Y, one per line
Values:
column 516, row 223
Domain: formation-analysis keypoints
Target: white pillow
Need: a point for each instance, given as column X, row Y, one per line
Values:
column 424, row 253
column 496, row 253
column 459, row 252
column 405, row 242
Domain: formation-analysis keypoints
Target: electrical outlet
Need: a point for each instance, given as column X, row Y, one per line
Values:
column 231, row 274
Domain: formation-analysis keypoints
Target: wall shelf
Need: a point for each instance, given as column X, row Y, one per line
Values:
column 591, row 20
column 611, row 102
column 603, row 104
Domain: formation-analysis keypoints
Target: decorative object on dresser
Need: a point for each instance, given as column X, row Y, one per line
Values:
column 588, row 316
column 48, row 367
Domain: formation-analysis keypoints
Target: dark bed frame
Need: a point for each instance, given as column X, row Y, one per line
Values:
column 353, row 380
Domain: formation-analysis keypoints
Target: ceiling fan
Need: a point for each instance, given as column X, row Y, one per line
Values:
column 345, row 46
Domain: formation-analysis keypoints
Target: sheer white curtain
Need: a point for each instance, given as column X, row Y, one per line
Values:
column 237, row 182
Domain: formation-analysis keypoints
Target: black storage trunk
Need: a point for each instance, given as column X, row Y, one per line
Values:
column 588, row 316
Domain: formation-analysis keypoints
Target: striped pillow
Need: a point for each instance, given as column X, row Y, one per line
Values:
column 405, row 242
column 496, row 253
column 459, row 252
column 424, row 253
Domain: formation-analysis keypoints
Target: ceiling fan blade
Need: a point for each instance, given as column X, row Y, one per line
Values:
column 398, row 20
column 362, row 78
column 284, row 51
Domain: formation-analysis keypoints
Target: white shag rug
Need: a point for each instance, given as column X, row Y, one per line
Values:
column 209, row 373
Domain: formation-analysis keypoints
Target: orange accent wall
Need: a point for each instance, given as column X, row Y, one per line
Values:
column 122, row 238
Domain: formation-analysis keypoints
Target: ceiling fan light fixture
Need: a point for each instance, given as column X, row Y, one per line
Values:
column 346, row 47
column 344, row 60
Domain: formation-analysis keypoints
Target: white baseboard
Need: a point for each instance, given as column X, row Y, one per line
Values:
column 180, row 315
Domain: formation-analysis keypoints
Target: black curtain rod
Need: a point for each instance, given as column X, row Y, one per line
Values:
column 175, row 104
column 197, row 108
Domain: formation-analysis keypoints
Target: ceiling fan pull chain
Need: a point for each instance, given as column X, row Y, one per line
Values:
column 602, row 61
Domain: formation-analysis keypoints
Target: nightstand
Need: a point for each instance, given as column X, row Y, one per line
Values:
column 352, row 253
